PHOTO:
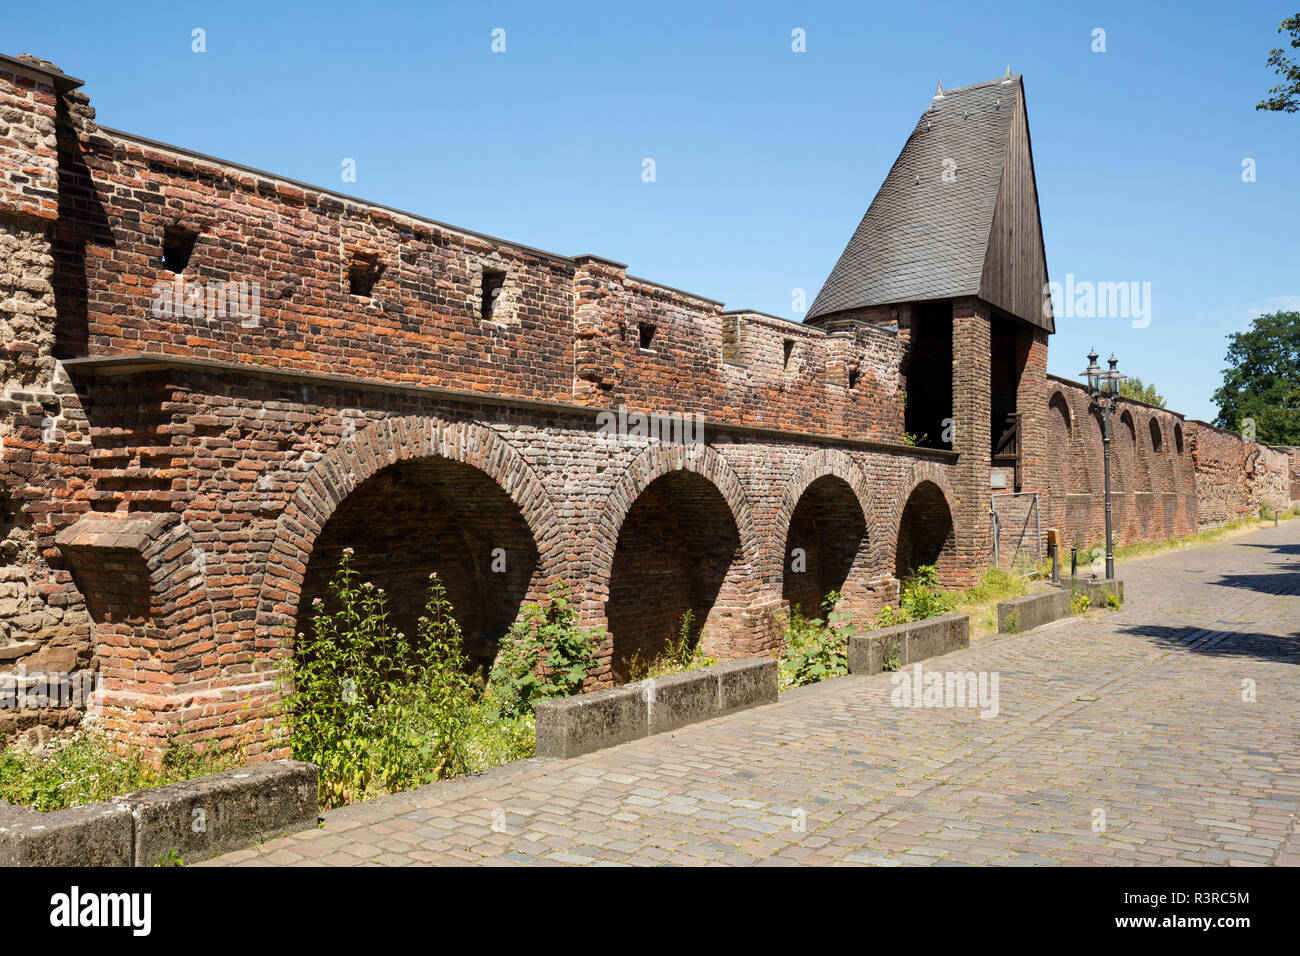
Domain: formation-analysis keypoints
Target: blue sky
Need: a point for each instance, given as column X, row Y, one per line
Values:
column 765, row 158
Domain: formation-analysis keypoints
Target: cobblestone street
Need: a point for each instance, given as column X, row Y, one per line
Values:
column 1120, row 738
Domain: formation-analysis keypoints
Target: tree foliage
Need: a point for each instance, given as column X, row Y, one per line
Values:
column 1137, row 389
column 1262, row 382
column 1285, row 98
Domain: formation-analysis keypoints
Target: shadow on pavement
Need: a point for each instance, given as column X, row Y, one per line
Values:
column 1279, row 548
column 1266, row 647
column 1279, row 582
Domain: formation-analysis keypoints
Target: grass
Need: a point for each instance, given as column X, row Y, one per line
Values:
column 88, row 768
column 492, row 739
column 980, row 601
column 1149, row 549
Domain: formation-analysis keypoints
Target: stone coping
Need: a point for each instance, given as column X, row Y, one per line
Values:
column 868, row 653
column 604, row 718
column 181, row 822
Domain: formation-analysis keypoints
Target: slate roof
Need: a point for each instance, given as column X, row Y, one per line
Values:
column 922, row 237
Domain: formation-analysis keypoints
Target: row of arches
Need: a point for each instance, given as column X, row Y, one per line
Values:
column 1145, row 458
column 676, row 536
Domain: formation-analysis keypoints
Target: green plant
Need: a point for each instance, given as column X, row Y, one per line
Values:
column 893, row 657
column 375, row 711
column 921, row 598
column 1112, row 602
column 171, row 858
column 1079, row 602
column 1013, row 622
column 679, row 655
column 681, row 651
column 492, row 738
column 89, row 768
column 546, row 654
column 815, row 647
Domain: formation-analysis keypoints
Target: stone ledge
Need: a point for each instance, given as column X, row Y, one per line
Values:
column 197, row 819
column 99, row 834
column 1097, row 589
column 588, row 722
column 1033, row 610
column 915, row 641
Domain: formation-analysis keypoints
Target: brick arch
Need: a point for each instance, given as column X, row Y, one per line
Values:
column 1157, row 441
column 655, row 462
column 676, row 536
column 827, row 462
column 920, row 473
column 1178, row 459
column 1065, row 447
column 1133, row 470
column 845, row 557
column 377, row 446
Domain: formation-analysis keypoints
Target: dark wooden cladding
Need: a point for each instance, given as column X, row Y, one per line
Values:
column 1015, row 264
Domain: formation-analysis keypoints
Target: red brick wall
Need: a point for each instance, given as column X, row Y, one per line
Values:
column 169, row 523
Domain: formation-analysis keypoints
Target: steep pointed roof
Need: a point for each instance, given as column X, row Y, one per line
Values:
column 957, row 214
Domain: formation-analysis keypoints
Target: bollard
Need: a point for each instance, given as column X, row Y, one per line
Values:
column 1056, row 568
column 1074, row 564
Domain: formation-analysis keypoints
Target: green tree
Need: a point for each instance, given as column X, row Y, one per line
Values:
column 1262, row 382
column 1285, row 98
column 1137, row 389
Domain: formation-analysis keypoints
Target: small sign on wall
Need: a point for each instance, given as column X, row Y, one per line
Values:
column 998, row 478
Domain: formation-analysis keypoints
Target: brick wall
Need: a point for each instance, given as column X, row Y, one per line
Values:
column 180, row 477
column 1234, row 477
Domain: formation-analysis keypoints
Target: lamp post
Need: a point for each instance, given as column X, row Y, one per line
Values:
column 1103, row 387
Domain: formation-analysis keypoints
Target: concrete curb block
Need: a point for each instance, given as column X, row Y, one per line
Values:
column 197, row 819
column 914, row 641
column 1097, row 589
column 98, row 834
column 1033, row 610
column 578, row 725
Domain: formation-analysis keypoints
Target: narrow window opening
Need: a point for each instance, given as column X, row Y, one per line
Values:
column 853, row 377
column 178, row 246
column 788, row 347
column 646, row 333
column 493, row 283
column 363, row 274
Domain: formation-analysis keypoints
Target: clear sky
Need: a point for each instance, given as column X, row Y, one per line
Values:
column 765, row 159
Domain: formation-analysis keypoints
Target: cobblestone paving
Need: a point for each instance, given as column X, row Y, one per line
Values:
column 1122, row 738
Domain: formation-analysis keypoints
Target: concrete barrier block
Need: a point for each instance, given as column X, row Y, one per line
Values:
column 680, row 699
column 1026, row 613
column 868, row 652
column 751, row 682
column 937, row 635
column 98, row 834
column 207, row 816
column 914, row 641
column 1098, row 589
column 577, row 725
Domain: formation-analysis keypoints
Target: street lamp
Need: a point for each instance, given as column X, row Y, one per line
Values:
column 1103, row 387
